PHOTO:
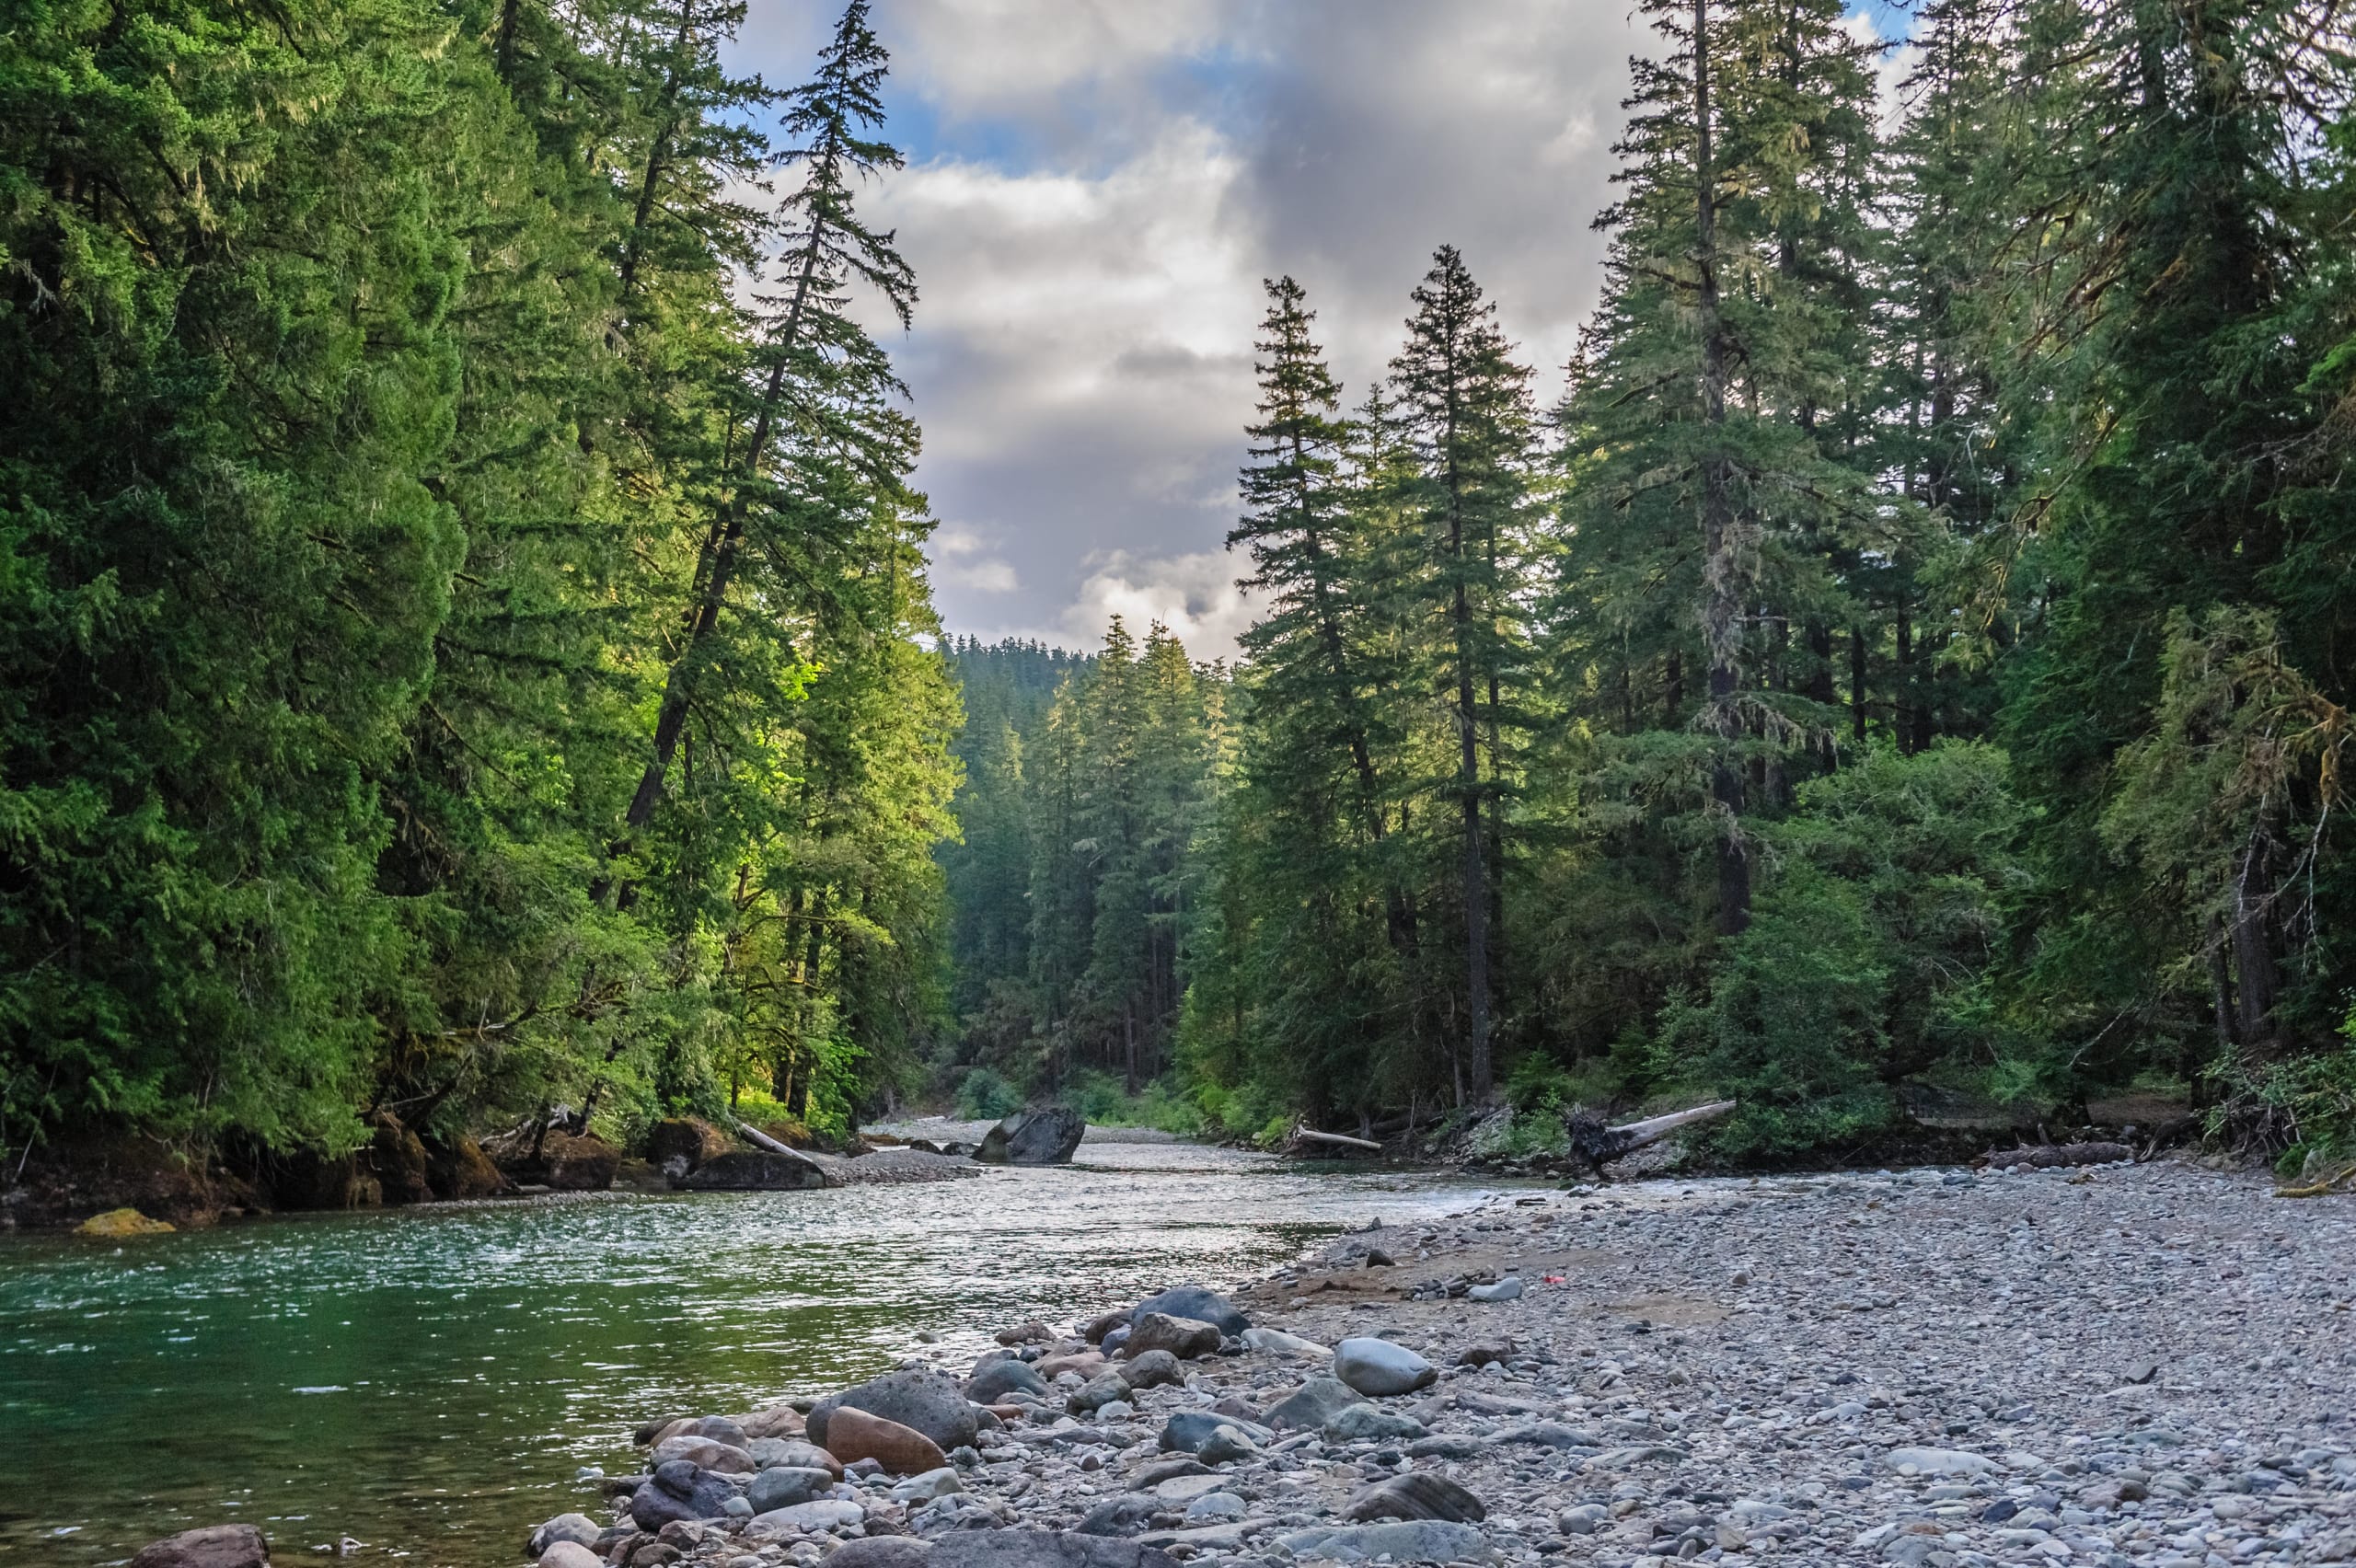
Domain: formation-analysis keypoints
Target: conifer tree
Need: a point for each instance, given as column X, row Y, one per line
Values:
column 1465, row 411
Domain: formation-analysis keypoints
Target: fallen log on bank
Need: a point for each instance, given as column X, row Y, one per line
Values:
column 1310, row 1136
column 2053, row 1157
column 1598, row 1145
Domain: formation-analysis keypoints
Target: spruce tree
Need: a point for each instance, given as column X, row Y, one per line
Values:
column 1466, row 412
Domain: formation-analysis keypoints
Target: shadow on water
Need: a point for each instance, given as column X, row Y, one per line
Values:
column 427, row 1381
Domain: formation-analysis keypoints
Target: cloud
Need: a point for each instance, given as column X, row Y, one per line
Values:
column 1097, row 188
column 1194, row 595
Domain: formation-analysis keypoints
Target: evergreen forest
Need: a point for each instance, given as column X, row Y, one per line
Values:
column 466, row 645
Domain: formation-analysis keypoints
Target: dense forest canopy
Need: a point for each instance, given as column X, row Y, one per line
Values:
column 465, row 644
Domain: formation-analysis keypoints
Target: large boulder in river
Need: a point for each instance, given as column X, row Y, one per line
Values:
column 216, row 1546
column 1196, row 1301
column 1034, row 1137
column 754, row 1171
column 931, row 1402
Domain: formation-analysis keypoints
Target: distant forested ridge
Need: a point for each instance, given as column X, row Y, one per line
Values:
column 463, row 637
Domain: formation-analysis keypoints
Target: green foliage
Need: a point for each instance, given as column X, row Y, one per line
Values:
column 1107, row 1102
column 982, row 1095
column 1871, row 957
column 381, row 412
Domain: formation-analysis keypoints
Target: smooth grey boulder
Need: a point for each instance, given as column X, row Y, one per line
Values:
column 1003, row 1375
column 578, row 1529
column 1047, row 1137
column 820, row 1514
column 1151, row 1369
column 1042, row 1548
column 1226, row 1446
column 1939, row 1461
column 706, row 1453
column 797, row 1452
column 1415, row 1540
column 1124, row 1515
column 1364, row 1422
column 1187, row 1432
column 1419, row 1494
column 1546, row 1433
column 1380, row 1368
column 784, row 1486
column 1196, row 1301
column 1505, row 1290
column 1106, row 1388
column 1275, row 1341
column 1186, row 1338
column 1314, row 1403
column 925, row 1401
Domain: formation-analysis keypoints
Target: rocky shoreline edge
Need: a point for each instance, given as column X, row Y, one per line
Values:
column 2126, row 1365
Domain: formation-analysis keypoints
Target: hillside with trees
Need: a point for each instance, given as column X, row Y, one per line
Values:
column 466, row 648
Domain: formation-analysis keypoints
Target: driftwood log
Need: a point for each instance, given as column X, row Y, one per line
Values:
column 2051, row 1157
column 1598, row 1144
column 1311, row 1139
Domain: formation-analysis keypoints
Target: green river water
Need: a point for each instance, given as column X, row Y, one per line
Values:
column 428, row 1381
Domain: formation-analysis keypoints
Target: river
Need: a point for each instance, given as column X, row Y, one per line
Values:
column 427, row 1381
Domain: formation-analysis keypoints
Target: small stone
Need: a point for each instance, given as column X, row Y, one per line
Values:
column 1227, row 1445
column 1420, row 1495
column 1363, row 1423
column 1939, row 1461
column 926, row 1487
column 1152, row 1369
column 1315, row 1402
column 570, row 1554
column 1505, row 1290
column 781, row 1486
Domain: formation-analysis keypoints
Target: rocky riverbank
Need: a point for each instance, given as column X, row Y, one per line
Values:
column 2125, row 1364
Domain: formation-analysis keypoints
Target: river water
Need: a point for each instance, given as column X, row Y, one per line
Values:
column 427, row 1381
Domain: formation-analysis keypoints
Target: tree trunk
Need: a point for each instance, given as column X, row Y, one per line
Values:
column 1723, row 595
column 2256, row 980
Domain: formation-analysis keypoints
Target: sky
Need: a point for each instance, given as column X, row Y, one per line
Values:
column 1095, row 191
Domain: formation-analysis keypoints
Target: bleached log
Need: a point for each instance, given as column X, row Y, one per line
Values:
column 1599, row 1145
column 1652, row 1129
column 1335, row 1140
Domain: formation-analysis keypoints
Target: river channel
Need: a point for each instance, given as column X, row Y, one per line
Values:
column 426, row 1382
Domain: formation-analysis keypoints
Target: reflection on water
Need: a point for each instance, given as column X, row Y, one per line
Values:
column 427, row 1381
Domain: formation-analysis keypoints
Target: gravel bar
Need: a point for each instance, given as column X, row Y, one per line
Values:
column 2121, row 1365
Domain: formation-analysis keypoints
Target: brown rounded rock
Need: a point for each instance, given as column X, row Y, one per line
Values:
column 852, row 1434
